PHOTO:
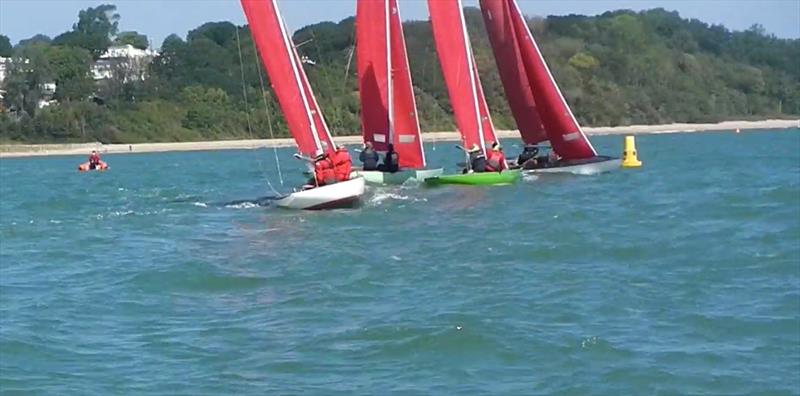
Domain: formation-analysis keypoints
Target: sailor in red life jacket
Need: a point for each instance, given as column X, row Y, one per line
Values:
column 342, row 164
column 94, row 160
column 496, row 161
column 323, row 169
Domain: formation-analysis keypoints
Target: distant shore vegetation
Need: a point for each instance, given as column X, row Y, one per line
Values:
column 618, row 68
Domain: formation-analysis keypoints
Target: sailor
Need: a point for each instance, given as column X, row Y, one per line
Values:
column 528, row 153
column 94, row 160
column 497, row 160
column 323, row 169
column 369, row 157
column 342, row 163
column 477, row 161
column 391, row 160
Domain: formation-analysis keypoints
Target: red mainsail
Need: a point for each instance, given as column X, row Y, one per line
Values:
column 388, row 107
column 563, row 131
column 460, row 73
column 512, row 71
column 287, row 77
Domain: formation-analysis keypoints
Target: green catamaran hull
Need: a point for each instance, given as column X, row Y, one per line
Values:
column 477, row 179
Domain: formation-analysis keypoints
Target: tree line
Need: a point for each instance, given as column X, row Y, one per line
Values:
column 618, row 68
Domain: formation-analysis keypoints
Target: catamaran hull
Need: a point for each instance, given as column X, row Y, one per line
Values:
column 477, row 179
column 341, row 195
column 378, row 177
column 599, row 164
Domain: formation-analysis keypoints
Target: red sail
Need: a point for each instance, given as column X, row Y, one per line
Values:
column 460, row 73
column 563, row 131
column 405, row 128
column 388, row 109
column 512, row 71
column 299, row 107
column 372, row 68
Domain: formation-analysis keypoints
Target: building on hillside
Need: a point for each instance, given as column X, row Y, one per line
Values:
column 124, row 62
column 3, row 68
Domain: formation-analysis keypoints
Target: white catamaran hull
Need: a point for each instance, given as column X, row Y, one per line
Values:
column 400, row 177
column 590, row 168
column 335, row 196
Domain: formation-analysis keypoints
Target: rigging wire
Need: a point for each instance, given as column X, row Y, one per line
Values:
column 269, row 113
column 247, row 109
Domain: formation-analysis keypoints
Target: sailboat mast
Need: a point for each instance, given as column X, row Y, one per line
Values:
column 390, row 78
column 292, row 53
column 471, row 68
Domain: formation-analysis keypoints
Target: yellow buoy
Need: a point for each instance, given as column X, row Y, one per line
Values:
column 629, row 155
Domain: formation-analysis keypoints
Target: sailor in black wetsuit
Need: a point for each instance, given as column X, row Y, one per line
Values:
column 528, row 153
column 369, row 157
column 391, row 162
column 477, row 160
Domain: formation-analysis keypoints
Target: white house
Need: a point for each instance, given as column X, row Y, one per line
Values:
column 126, row 59
column 3, row 68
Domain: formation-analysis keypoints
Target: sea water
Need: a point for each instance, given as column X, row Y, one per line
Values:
column 170, row 274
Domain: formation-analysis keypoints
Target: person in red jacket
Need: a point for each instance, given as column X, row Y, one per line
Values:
column 342, row 164
column 496, row 161
column 94, row 160
column 323, row 170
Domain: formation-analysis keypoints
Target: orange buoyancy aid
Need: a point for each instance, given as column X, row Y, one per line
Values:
column 496, row 161
column 323, row 172
column 342, row 164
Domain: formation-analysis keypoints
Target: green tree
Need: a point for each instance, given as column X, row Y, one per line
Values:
column 93, row 31
column 27, row 72
column 37, row 39
column 71, row 72
column 135, row 39
column 5, row 46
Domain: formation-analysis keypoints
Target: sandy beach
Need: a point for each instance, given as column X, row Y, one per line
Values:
column 30, row 150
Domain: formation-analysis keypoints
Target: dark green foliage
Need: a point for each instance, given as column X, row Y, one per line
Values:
column 135, row 39
column 5, row 46
column 93, row 31
column 37, row 39
column 617, row 68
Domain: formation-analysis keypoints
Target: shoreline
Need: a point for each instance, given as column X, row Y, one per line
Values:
column 36, row 150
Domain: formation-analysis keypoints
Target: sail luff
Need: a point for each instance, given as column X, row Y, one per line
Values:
column 511, row 70
column 564, row 132
column 390, row 79
column 388, row 107
column 372, row 65
column 472, row 75
column 458, row 66
column 286, row 75
column 406, row 132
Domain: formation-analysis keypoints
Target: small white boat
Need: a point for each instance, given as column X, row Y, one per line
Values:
column 341, row 195
column 599, row 164
column 400, row 177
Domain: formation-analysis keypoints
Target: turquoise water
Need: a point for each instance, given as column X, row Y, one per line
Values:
column 162, row 276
